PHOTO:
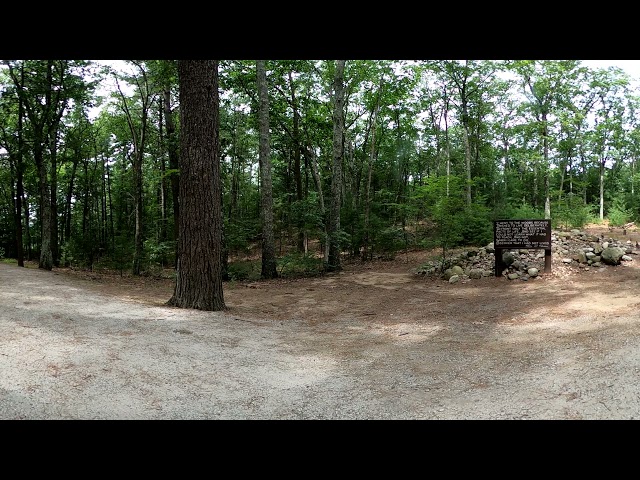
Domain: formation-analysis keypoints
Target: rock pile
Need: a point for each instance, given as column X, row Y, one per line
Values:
column 571, row 251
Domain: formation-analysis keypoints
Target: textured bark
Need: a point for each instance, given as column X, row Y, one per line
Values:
column 336, row 176
column 199, row 272
column 269, row 269
column 46, row 257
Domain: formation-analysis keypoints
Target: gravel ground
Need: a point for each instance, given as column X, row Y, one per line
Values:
column 70, row 351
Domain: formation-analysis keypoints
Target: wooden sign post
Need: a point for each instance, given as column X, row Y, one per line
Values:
column 516, row 234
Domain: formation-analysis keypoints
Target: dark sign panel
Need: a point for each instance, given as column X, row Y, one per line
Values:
column 522, row 234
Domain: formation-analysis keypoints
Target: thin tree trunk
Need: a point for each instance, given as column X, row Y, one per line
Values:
column 602, row 162
column 19, row 184
column 53, row 149
column 139, row 211
column 162, row 188
column 318, row 183
column 113, row 237
column 296, row 160
column 67, row 206
column 172, row 148
column 103, row 205
column 27, row 229
column 139, row 143
column 372, row 150
column 467, row 157
column 545, row 144
column 562, row 176
column 446, row 137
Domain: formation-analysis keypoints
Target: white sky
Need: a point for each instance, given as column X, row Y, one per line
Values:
column 632, row 67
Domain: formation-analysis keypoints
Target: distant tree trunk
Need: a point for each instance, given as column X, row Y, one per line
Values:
column 269, row 269
column 367, row 210
column 172, row 146
column 563, row 168
column 296, row 161
column 113, row 235
column 18, row 214
column 162, row 187
column 103, row 203
column 318, row 182
column 199, row 272
column 336, row 175
column 27, row 229
column 19, row 183
column 53, row 151
column 366, row 251
column 467, row 156
column 67, row 205
column 545, row 154
column 601, row 176
column 138, row 208
column 139, row 136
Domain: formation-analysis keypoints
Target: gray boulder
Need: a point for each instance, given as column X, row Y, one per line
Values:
column 475, row 273
column 612, row 255
column 508, row 258
column 455, row 270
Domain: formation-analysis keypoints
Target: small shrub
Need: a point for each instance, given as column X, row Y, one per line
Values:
column 299, row 265
column 618, row 215
column 244, row 270
column 572, row 214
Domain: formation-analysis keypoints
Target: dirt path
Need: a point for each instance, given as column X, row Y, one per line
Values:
column 373, row 342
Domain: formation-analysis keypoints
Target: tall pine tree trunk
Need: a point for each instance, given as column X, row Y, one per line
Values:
column 46, row 257
column 199, row 269
column 269, row 269
column 336, row 174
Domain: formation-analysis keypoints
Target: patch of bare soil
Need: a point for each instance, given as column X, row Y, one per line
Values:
column 372, row 341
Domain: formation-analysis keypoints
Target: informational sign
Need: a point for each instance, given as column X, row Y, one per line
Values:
column 522, row 234
column 526, row 234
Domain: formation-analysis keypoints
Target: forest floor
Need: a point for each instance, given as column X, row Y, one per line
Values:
column 374, row 341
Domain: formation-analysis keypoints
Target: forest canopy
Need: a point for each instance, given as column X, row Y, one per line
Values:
column 428, row 154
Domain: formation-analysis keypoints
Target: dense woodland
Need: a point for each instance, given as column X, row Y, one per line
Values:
column 319, row 161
